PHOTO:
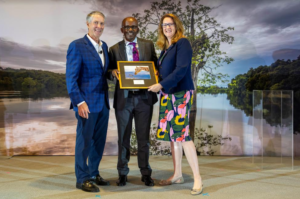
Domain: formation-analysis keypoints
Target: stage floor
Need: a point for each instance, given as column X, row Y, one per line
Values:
column 223, row 177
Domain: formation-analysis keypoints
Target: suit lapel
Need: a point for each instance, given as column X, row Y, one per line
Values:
column 92, row 50
column 170, row 48
column 165, row 54
column 141, row 50
column 123, row 57
column 105, row 56
column 122, row 51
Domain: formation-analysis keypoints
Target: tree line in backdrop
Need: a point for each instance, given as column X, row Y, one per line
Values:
column 281, row 75
column 33, row 83
column 36, row 83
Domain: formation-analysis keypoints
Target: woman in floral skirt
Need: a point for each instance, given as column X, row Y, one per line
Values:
column 176, row 96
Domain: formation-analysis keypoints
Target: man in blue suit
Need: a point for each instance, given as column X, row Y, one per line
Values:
column 87, row 63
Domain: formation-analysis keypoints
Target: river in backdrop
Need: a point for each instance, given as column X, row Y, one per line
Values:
column 48, row 127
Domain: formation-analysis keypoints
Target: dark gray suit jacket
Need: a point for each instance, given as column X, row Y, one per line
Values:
column 118, row 53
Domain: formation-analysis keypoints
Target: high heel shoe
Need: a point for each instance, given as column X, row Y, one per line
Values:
column 178, row 180
column 197, row 191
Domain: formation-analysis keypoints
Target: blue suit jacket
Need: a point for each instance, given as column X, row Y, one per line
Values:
column 86, row 76
column 175, row 69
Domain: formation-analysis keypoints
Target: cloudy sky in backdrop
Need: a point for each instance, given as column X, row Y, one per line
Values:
column 35, row 34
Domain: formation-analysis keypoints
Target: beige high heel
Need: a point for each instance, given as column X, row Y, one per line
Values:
column 197, row 191
column 179, row 180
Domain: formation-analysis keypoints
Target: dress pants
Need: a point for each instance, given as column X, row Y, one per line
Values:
column 90, row 142
column 136, row 108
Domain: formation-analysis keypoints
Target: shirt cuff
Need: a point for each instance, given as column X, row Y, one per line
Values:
column 80, row 103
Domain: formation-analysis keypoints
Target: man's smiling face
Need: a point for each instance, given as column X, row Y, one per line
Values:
column 130, row 28
column 96, row 27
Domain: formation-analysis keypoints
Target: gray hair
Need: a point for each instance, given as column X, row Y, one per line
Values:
column 90, row 15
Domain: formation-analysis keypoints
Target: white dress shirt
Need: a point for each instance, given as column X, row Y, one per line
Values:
column 98, row 48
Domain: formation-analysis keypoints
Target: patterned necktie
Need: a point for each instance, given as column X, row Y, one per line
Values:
column 135, row 52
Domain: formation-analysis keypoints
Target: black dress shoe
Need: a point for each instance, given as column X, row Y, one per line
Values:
column 100, row 181
column 122, row 180
column 147, row 180
column 88, row 186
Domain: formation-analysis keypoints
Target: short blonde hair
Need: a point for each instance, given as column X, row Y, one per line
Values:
column 162, row 41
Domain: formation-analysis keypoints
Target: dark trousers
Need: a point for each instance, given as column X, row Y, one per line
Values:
column 138, row 109
column 90, row 142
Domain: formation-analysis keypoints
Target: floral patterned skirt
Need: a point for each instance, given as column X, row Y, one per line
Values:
column 174, row 113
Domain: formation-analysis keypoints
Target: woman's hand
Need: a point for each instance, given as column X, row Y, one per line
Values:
column 155, row 88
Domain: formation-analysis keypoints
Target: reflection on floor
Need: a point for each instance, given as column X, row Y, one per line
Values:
column 223, row 177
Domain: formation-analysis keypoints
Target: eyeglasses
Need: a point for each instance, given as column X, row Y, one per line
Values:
column 132, row 27
column 164, row 25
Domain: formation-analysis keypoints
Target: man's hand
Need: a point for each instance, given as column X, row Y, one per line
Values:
column 116, row 73
column 83, row 110
column 155, row 88
column 157, row 73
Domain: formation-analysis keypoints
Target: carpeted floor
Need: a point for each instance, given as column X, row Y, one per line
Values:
column 223, row 177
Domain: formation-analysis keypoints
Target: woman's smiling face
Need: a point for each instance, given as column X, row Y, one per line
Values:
column 168, row 27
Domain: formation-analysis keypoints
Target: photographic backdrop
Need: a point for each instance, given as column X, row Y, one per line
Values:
column 259, row 49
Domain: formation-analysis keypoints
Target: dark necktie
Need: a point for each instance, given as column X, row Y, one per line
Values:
column 135, row 52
